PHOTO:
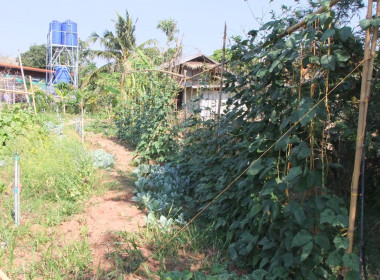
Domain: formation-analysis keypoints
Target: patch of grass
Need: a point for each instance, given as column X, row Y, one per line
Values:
column 105, row 127
column 70, row 261
column 57, row 178
column 113, row 185
column 193, row 249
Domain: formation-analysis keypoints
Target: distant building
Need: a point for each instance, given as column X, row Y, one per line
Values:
column 11, row 80
column 202, row 92
column 15, row 71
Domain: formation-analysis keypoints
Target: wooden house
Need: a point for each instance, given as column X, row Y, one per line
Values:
column 201, row 88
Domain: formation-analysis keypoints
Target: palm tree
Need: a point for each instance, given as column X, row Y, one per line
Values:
column 119, row 46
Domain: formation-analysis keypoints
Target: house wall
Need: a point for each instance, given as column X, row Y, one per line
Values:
column 207, row 103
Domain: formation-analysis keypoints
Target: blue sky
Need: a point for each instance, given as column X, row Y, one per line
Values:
column 25, row 22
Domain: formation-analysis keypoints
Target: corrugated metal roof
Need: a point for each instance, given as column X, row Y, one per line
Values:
column 5, row 65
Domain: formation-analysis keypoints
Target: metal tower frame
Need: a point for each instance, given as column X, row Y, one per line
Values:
column 61, row 55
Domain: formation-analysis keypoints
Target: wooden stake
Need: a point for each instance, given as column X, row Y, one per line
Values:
column 184, row 95
column 23, row 76
column 222, row 71
column 82, row 120
column 363, row 108
column 33, row 99
column 16, row 91
column 13, row 94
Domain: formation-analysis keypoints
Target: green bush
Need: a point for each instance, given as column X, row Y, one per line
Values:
column 149, row 122
column 284, row 216
column 56, row 169
column 53, row 167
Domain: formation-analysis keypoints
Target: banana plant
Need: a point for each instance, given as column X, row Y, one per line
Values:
column 64, row 91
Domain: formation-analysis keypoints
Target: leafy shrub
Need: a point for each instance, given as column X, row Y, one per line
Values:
column 43, row 101
column 102, row 159
column 148, row 121
column 16, row 121
column 51, row 127
column 283, row 218
column 158, row 188
column 56, row 169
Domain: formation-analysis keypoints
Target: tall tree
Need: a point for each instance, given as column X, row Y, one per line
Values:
column 118, row 46
column 169, row 27
column 35, row 56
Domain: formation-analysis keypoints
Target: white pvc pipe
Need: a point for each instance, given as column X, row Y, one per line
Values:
column 16, row 189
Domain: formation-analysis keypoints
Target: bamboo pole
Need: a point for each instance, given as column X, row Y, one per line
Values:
column 367, row 72
column 222, row 71
column 23, row 76
column 208, row 70
column 155, row 70
column 82, row 120
column 33, row 99
column 16, row 91
column 184, row 95
column 13, row 93
column 293, row 28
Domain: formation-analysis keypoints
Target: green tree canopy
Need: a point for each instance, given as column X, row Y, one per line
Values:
column 118, row 45
column 169, row 27
column 35, row 56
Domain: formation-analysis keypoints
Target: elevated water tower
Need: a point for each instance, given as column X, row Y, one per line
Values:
column 62, row 54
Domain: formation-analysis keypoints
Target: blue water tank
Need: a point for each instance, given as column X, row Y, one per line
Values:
column 62, row 74
column 55, row 30
column 69, row 33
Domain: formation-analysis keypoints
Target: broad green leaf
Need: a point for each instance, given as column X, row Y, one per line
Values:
column 283, row 143
column 326, row 216
column 258, row 274
column 301, row 151
column 233, row 253
column 328, row 62
column 324, row 18
column 365, row 24
column 299, row 214
column 294, row 172
column 112, row 89
column 322, row 240
column 352, row 275
column 351, row 261
column 255, row 209
column 345, row 33
column 334, row 259
column 247, row 237
column 280, row 272
column 274, row 64
column 267, row 190
column 290, row 43
column 341, row 56
column 306, row 250
column 375, row 22
column 255, row 168
column 288, row 259
column 252, row 33
column 328, row 33
column 301, row 238
column 307, row 119
column 341, row 242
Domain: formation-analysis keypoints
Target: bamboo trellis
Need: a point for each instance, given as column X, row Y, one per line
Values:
column 9, row 90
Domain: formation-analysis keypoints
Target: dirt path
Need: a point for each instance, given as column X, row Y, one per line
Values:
column 113, row 211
